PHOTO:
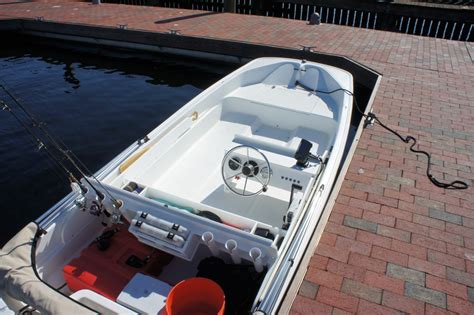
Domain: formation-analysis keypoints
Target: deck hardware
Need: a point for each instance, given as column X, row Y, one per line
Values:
column 194, row 116
column 40, row 18
column 306, row 48
column 122, row 26
column 143, row 140
column 80, row 202
column 369, row 121
column 315, row 19
column 174, row 31
column 321, row 188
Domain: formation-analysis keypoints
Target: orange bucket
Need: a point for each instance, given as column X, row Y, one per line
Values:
column 196, row 296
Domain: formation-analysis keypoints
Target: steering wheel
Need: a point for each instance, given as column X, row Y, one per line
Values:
column 246, row 171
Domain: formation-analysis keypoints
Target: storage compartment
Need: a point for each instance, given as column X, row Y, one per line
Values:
column 106, row 269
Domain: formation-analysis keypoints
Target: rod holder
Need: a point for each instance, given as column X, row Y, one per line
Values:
column 256, row 256
column 231, row 247
column 208, row 239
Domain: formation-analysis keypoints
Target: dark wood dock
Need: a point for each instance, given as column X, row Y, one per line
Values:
column 394, row 243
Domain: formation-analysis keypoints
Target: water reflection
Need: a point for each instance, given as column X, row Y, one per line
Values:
column 96, row 105
column 69, row 76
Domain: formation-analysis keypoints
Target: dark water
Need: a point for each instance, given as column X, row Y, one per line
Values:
column 97, row 105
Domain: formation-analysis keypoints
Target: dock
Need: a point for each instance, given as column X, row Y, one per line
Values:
column 393, row 243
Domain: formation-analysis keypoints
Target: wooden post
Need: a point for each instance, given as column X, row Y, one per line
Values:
column 230, row 6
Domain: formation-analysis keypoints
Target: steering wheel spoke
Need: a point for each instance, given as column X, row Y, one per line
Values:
column 233, row 176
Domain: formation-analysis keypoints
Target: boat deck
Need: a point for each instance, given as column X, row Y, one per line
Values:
column 394, row 242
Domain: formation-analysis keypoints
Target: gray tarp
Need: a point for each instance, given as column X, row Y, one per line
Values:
column 19, row 282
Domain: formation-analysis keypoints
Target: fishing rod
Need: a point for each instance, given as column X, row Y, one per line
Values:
column 63, row 150
column 41, row 145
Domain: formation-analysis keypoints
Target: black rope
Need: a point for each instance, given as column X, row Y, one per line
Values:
column 456, row 184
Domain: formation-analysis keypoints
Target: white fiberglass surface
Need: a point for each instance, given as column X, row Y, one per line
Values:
column 196, row 174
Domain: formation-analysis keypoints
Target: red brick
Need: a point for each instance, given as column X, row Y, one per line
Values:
column 460, row 230
column 426, row 221
column 390, row 256
column 336, row 218
column 353, row 193
column 426, row 266
column 447, row 199
column 469, row 243
column 319, row 262
column 459, row 251
column 304, row 306
column 338, row 311
column 449, row 287
column 365, row 205
column 445, row 259
column 412, row 227
column 341, row 230
column 349, row 245
column 428, row 242
column 399, row 195
column 331, row 252
column 446, row 236
column 391, row 202
column 413, row 207
column 465, row 212
column 342, row 200
column 361, row 290
column 470, row 266
column 327, row 279
column 460, row 306
column 402, row 303
column 358, row 178
column 379, row 218
column 409, row 249
column 328, row 239
column 433, row 310
column 467, row 222
column 346, row 209
column 415, row 191
column 372, row 238
column 397, row 213
column 383, row 282
column 376, row 265
column 394, row 233
column 337, row 299
column 347, row 271
column 369, row 308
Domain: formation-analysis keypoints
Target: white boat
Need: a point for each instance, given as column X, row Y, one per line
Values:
column 230, row 187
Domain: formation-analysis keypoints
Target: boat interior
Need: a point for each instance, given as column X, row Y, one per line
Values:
column 215, row 192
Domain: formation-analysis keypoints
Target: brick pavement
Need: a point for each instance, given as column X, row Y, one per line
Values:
column 394, row 243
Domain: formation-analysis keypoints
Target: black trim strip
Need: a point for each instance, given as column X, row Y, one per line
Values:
column 37, row 236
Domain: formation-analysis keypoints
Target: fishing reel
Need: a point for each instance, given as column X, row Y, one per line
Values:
column 91, row 200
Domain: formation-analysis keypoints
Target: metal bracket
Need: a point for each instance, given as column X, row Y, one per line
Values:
column 369, row 121
column 306, row 48
column 174, row 31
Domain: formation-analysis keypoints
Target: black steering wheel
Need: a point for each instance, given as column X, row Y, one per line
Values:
column 246, row 171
